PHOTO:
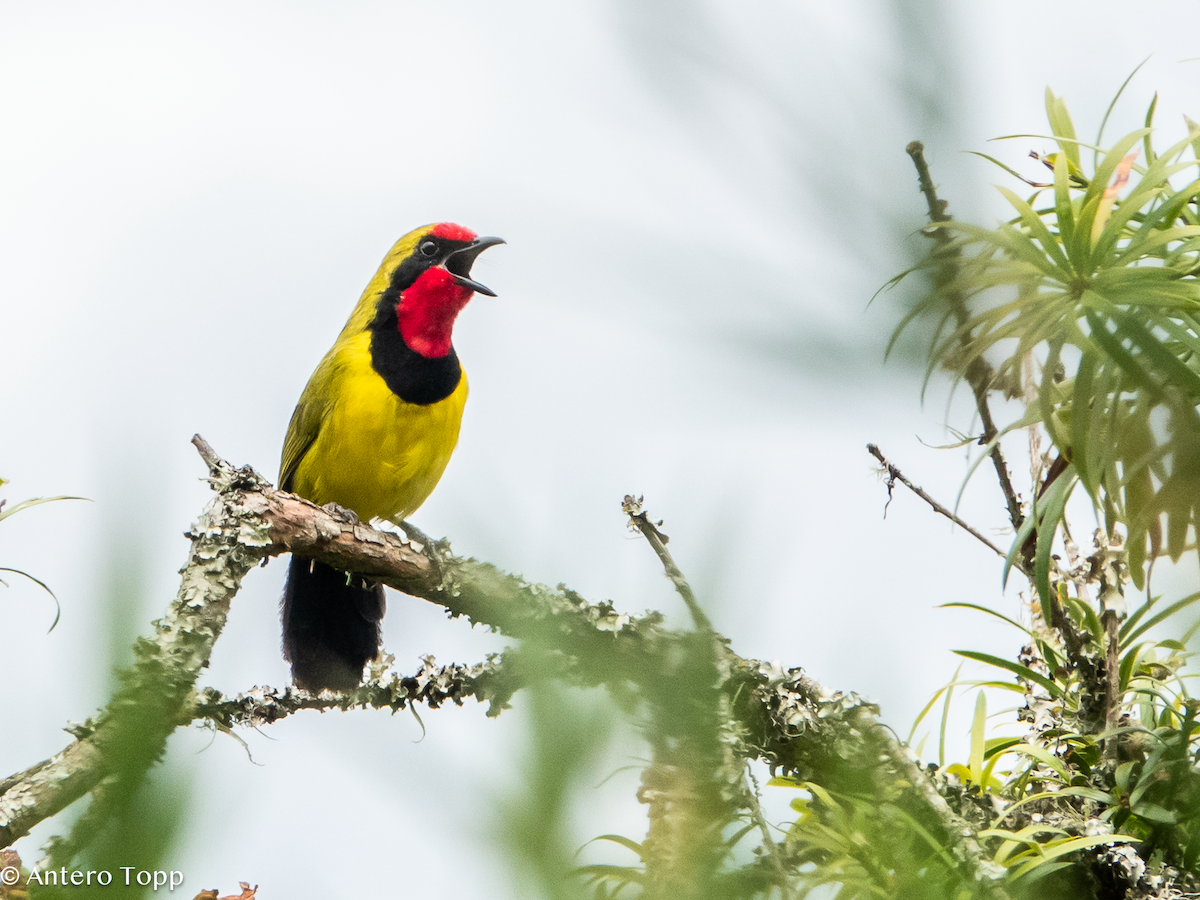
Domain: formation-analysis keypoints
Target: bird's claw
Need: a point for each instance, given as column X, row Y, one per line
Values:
column 413, row 533
column 431, row 548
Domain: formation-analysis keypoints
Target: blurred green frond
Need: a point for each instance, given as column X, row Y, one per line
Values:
column 1094, row 280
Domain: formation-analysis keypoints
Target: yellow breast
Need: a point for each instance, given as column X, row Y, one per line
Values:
column 361, row 446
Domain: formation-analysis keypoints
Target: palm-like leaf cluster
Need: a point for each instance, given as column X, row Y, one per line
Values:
column 1101, row 290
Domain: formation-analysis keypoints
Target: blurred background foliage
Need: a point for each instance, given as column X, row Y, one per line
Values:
column 1106, row 288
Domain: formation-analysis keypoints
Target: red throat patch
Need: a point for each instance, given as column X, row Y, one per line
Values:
column 427, row 310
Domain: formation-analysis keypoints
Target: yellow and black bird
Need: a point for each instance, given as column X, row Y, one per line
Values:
column 373, row 432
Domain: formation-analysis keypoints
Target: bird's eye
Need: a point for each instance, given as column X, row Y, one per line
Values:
column 429, row 248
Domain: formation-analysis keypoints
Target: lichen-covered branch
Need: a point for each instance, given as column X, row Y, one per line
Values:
column 431, row 686
column 247, row 521
column 131, row 733
column 837, row 741
column 696, row 782
column 779, row 716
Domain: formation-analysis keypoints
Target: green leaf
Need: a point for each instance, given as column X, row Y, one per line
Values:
column 1128, row 662
column 1186, row 336
column 997, row 746
column 1093, row 204
column 1193, row 135
column 1042, row 871
column 35, row 501
column 1081, row 417
column 617, row 873
column 945, row 718
column 1083, row 612
column 928, row 706
column 1064, row 213
column 1056, row 849
column 1050, row 513
column 1175, row 372
column 978, row 727
column 1016, row 668
column 1013, row 172
column 1113, row 347
column 44, row 587
column 1150, row 240
column 1014, row 551
column 1038, row 229
column 984, row 609
column 1045, row 757
column 1113, row 104
column 1149, row 119
column 1134, row 634
column 1086, row 793
column 618, row 839
column 1152, row 812
column 1061, row 125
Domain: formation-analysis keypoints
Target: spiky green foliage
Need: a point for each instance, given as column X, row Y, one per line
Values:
column 1086, row 307
column 1094, row 278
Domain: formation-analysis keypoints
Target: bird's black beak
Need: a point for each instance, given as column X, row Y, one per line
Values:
column 459, row 263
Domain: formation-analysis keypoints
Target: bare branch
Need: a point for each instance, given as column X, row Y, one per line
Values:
column 894, row 475
column 979, row 373
column 658, row 542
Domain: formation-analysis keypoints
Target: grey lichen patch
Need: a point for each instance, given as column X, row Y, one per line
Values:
column 432, row 686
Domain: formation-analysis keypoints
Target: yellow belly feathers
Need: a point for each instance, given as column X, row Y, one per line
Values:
column 370, row 451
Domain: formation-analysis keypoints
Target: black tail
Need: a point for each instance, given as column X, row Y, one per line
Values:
column 330, row 625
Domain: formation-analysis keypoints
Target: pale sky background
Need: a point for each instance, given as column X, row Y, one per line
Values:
column 699, row 202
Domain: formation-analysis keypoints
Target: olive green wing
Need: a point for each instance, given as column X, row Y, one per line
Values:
column 306, row 422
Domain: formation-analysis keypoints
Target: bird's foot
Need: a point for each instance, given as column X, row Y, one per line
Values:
column 431, row 548
column 413, row 533
column 338, row 510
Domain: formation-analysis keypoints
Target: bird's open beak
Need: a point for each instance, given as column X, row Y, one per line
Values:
column 459, row 263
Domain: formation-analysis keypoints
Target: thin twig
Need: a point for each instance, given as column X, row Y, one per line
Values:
column 979, row 373
column 638, row 519
column 894, row 475
column 764, row 828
